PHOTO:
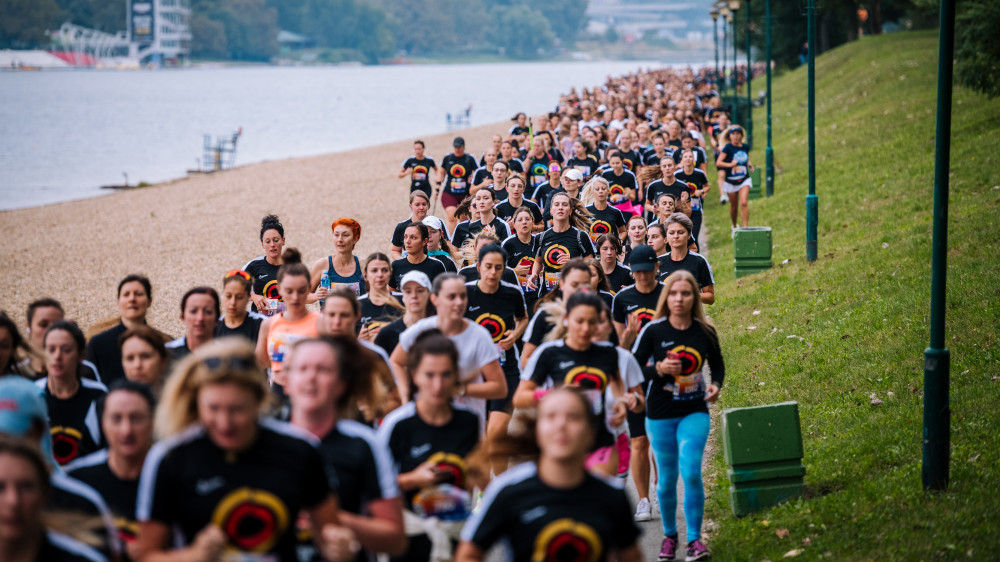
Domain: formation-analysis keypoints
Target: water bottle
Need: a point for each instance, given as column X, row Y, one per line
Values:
column 324, row 282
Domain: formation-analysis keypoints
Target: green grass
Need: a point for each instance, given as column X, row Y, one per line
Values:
column 862, row 311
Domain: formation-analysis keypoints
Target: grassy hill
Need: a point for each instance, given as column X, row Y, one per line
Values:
column 861, row 314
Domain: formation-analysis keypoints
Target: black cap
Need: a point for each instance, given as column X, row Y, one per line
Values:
column 642, row 258
column 459, row 141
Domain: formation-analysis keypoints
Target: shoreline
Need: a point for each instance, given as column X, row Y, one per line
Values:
column 189, row 231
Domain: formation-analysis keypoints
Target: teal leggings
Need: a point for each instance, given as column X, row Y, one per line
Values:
column 680, row 442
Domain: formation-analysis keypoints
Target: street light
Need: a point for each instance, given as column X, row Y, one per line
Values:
column 726, row 16
column 769, row 152
column 749, row 77
column 734, row 6
column 714, row 12
column 812, row 202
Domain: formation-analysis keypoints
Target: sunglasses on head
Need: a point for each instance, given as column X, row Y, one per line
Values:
column 238, row 273
column 234, row 362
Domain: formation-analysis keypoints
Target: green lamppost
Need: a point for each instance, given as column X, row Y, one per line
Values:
column 714, row 12
column 749, row 77
column 734, row 6
column 937, row 358
column 812, row 202
column 726, row 15
column 769, row 152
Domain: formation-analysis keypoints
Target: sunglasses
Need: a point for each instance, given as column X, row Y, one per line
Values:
column 235, row 362
column 238, row 273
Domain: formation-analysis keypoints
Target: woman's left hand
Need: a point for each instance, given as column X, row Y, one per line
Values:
column 339, row 543
column 712, row 393
column 508, row 341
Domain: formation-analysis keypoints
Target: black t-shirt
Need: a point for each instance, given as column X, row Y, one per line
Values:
column 538, row 328
column 104, row 352
column 630, row 159
column 654, row 189
column 74, row 422
column 254, row 496
column 587, row 165
column 399, row 231
column 499, row 225
column 552, row 245
column 458, row 173
column 555, row 364
column 693, row 262
column 498, row 313
column 676, row 397
column 515, row 165
column 506, row 210
column 740, row 155
column 57, row 547
column 520, row 253
column 696, row 180
column 420, row 173
column 388, row 336
column 449, row 264
column 70, row 495
column 471, row 274
column 461, row 234
column 249, row 329
column 411, row 441
column 265, row 279
column 587, row 522
column 480, row 175
column 606, row 221
column 543, row 195
column 538, row 170
column 120, row 495
column 620, row 277
column 402, row 266
column 377, row 315
column 699, row 156
column 620, row 184
column 631, row 301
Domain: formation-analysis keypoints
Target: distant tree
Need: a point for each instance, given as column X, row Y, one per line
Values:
column 23, row 22
column 567, row 17
column 435, row 26
column 251, row 27
column 611, row 34
column 521, row 31
column 208, row 38
column 976, row 50
column 350, row 24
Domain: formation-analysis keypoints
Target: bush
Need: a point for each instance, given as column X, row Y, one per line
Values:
column 977, row 51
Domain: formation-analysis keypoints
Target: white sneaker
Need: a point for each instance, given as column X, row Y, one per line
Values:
column 723, row 199
column 732, row 233
column 643, row 511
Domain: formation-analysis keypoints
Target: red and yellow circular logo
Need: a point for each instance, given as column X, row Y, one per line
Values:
column 553, row 254
column 566, row 540
column 254, row 520
column 457, row 171
column 493, row 324
column 451, row 463
column 587, row 377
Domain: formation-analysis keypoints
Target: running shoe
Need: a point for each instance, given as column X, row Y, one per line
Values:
column 669, row 549
column 696, row 551
column 732, row 232
column 723, row 199
column 643, row 511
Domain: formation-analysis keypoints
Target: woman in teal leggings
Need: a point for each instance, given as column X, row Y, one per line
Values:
column 680, row 341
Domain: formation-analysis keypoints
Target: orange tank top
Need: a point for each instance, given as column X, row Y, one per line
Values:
column 282, row 334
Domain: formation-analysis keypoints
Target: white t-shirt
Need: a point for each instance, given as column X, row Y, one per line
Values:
column 475, row 350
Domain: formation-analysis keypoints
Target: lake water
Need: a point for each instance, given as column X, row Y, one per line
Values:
column 64, row 134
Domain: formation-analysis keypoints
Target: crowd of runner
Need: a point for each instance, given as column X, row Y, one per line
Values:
column 493, row 378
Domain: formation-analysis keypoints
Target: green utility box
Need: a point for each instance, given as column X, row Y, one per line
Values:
column 756, row 185
column 751, row 250
column 763, row 447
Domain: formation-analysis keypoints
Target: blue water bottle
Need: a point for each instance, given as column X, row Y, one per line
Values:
column 324, row 282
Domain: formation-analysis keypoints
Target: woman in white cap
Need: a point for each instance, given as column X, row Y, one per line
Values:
column 416, row 287
column 438, row 246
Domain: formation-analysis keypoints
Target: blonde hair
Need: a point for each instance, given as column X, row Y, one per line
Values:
column 238, row 365
column 724, row 135
column 587, row 194
column 697, row 309
column 468, row 251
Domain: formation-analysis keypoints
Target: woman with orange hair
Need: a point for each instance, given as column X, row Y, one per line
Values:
column 342, row 267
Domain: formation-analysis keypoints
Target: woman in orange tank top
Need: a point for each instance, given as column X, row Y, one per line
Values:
column 279, row 332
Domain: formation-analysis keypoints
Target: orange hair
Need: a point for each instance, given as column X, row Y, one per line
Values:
column 354, row 225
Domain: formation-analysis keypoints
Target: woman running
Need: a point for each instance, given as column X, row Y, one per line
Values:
column 678, row 229
column 200, row 311
column 127, row 422
column 327, row 378
column 636, row 235
column 573, row 358
column 515, row 200
column 734, row 159
column 237, row 320
column 485, row 200
column 279, row 332
column 40, row 314
column 380, row 305
column 420, row 203
column 225, row 480
column 656, row 238
column 576, row 515
column 567, row 239
column 264, row 269
column 583, row 161
column 25, row 478
column 680, row 341
column 521, row 248
column 438, row 246
column 416, row 298
column 144, row 357
column 605, row 218
column 135, row 295
column 71, row 399
column 499, row 307
column 608, row 250
column 342, row 267
column 480, row 376
column 575, row 276
column 429, row 439
column 415, row 242
column 697, row 180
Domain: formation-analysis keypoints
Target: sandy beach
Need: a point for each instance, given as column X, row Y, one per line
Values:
column 191, row 231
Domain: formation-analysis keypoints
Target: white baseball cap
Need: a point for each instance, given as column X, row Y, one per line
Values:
column 573, row 174
column 431, row 221
column 418, row 277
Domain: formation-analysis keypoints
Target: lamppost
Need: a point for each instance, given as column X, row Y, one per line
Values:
column 769, row 152
column 749, row 76
column 812, row 202
column 734, row 6
column 726, row 16
column 714, row 12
